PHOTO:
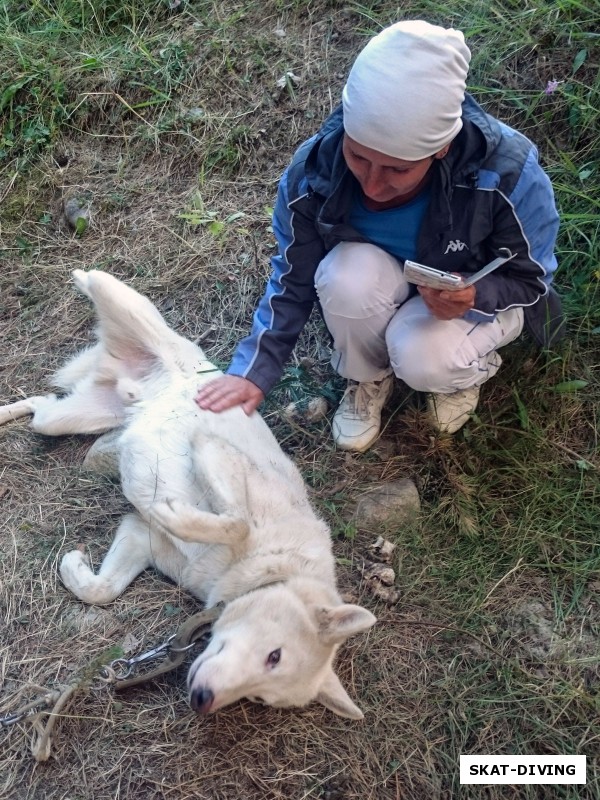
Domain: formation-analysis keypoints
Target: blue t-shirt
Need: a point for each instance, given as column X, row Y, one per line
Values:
column 395, row 230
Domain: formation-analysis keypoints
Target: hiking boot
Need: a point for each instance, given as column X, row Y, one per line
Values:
column 449, row 412
column 357, row 422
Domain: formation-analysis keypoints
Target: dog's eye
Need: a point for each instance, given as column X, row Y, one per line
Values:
column 273, row 657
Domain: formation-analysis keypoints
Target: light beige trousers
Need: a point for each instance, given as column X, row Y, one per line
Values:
column 377, row 330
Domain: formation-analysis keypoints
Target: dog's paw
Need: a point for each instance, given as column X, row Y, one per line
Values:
column 23, row 408
column 43, row 410
column 168, row 513
column 181, row 519
column 74, row 566
column 41, row 401
column 81, row 280
column 191, row 524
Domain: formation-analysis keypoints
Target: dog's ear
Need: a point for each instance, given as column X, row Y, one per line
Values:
column 337, row 623
column 334, row 697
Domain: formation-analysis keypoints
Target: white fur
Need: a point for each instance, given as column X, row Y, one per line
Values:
column 219, row 508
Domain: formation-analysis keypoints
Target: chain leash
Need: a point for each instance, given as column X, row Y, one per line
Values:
column 121, row 673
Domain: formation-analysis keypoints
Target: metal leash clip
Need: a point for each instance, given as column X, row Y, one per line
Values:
column 120, row 673
column 196, row 630
column 31, row 709
column 12, row 719
column 122, row 668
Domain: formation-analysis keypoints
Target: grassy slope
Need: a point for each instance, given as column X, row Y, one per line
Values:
column 171, row 124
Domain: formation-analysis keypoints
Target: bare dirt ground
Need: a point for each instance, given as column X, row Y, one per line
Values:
column 430, row 687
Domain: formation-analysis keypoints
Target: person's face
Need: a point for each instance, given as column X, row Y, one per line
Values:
column 383, row 178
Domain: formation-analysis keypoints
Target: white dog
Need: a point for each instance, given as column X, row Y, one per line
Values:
column 220, row 509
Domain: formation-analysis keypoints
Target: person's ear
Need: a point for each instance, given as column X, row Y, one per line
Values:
column 443, row 152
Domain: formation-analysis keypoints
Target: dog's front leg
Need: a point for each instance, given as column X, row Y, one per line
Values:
column 190, row 524
column 129, row 554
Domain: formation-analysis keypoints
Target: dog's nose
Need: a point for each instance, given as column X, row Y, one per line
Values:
column 201, row 700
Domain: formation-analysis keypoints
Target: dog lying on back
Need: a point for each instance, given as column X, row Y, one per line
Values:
column 219, row 508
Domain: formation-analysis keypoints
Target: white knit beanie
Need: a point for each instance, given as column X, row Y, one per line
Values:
column 404, row 93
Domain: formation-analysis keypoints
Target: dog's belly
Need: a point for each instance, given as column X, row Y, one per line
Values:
column 156, row 464
column 156, row 458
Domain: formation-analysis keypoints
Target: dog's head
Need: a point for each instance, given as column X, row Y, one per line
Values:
column 274, row 647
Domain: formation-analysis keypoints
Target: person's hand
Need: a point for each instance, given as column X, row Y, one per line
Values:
column 448, row 303
column 228, row 391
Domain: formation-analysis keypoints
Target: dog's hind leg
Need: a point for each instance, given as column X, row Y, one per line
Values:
column 22, row 408
column 91, row 408
column 130, row 327
column 129, row 554
column 79, row 367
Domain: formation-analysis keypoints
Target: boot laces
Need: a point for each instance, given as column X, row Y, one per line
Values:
column 358, row 399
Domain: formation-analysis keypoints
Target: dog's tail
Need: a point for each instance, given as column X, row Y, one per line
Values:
column 131, row 329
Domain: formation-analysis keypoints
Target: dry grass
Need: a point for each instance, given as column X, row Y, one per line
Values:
column 493, row 647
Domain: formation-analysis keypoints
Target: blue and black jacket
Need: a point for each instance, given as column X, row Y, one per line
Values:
column 488, row 193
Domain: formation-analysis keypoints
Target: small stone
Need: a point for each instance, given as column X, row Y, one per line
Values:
column 290, row 412
column 397, row 500
column 193, row 114
column 288, row 79
column 307, row 411
column 316, row 409
column 103, row 456
column 75, row 210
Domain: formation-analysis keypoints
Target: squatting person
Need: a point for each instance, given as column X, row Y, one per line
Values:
column 409, row 166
